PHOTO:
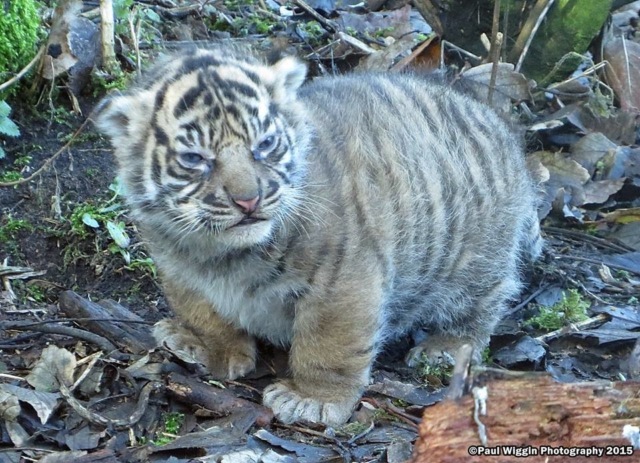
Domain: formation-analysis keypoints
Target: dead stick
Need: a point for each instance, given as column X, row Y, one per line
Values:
column 528, row 32
column 49, row 161
column 327, row 24
column 221, row 401
column 26, row 69
column 93, row 417
column 598, row 262
column 575, row 327
column 496, row 44
column 99, row 341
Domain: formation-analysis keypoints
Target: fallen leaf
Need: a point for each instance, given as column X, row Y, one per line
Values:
column 566, row 179
column 303, row 451
column 9, row 405
column 55, row 364
column 407, row 392
column 509, row 85
column 630, row 260
column 62, row 457
column 628, row 233
column 44, row 403
column 623, row 71
column 590, row 149
column 622, row 216
column 525, row 350
column 599, row 192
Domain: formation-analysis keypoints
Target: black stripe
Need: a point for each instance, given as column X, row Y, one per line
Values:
column 198, row 62
column 322, row 253
column 156, row 170
column 160, row 96
column 212, row 200
column 282, row 175
column 189, row 98
column 338, row 260
column 272, row 188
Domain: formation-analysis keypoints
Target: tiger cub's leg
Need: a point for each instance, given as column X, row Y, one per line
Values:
column 201, row 335
column 474, row 328
column 330, row 358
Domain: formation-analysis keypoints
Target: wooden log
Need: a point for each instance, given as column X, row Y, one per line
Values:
column 193, row 391
column 531, row 414
column 110, row 320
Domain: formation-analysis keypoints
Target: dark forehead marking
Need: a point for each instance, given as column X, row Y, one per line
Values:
column 160, row 96
column 189, row 97
column 194, row 63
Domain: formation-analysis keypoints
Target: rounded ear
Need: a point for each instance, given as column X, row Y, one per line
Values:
column 117, row 115
column 286, row 76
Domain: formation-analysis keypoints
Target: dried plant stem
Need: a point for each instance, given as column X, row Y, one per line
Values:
column 528, row 32
column 26, row 69
column 496, row 45
column 49, row 161
column 326, row 23
column 575, row 327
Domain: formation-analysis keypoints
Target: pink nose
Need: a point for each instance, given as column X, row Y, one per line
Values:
column 247, row 205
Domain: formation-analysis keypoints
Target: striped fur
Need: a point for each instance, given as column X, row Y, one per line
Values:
column 386, row 202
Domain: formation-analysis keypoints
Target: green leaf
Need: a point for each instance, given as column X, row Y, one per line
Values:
column 118, row 233
column 89, row 221
column 152, row 16
column 117, row 187
column 8, row 127
column 5, row 109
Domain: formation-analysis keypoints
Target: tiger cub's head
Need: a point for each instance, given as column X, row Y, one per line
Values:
column 211, row 146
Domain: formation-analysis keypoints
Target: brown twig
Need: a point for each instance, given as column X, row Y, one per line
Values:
column 93, row 417
column 575, row 327
column 41, row 327
column 496, row 45
column 528, row 31
column 49, row 161
column 588, row 238
column 530, row 298
column 394, row 411
column 24, row 70
column 599, row 262
column 312, row 432
column 326, row 23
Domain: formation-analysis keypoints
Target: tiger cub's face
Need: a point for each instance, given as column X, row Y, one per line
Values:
column 208, row 147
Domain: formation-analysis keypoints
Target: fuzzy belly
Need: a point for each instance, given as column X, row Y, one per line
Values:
column 263, row 314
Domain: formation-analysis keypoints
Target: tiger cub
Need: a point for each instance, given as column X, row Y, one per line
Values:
column 328, row 217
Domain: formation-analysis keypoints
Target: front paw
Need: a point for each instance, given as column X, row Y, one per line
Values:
column 290, row 405
column 227, row 358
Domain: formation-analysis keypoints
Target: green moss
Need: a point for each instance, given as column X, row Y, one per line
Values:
column 104, row 83
column 571, row 308
column 19, row 26
column 569, row 28
column 11, row 227
column 434, row 374
column 172, row 423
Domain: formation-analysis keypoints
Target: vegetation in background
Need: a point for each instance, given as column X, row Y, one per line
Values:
column 19, row 25
column 571, row 308
column 10, row 227
column 172, row 423
column 8, row 128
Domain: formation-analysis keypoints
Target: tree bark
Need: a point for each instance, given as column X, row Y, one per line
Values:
column 107, row 32
column 532, row 412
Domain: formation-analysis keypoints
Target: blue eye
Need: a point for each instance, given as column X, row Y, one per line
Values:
column 190, row 158
column 266, row 144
